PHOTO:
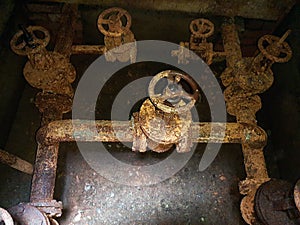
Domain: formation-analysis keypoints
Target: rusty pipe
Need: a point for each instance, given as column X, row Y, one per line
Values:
column 231, row 44
column 43, row 181
column 65, row 35
column 123, row 131
column 88, row 49
column 15, row 162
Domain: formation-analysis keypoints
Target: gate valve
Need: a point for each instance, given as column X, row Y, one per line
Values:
column 115, row 24
column 112, row 18
column 165, row 118
column 30, row 40
column 201, row 28
column 174, row 98
column 274, row 48
column 256, row 76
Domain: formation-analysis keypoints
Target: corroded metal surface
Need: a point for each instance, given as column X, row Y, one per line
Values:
column 164, row 128
column 25, row 214
column 167, row 112
column 53, row 73
column 274, row 205
column 88, row 49
column 52, row 106
column 50, row 72
column 15, row 162
column 33, row 43
column 51, row 208
column 5, row 217
column 244, row 78
column 275, row 47
column 53, row 102
column 116, row 131
column 201, row 29
column 64, row 37
column 118, row 38
column 173, row 92
column 112, row 18
column 243, row 105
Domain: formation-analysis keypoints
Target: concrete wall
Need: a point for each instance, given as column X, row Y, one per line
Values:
column 11, row 79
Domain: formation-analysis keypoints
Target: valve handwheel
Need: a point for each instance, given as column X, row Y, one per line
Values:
column 20, row 45
column 275, row 48
column 112, row 17
column 202, row 28
column 174, row 98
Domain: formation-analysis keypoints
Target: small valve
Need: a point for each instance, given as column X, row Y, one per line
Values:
column 26, row 41
column 275, row 48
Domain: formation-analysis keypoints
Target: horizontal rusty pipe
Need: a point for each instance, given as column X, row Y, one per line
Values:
column 88, row 49
column 123, row 131
column 15, row 162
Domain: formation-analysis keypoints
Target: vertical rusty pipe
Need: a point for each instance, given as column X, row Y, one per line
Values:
column 231, row 43
column 64, row 38
column 254, row 161
column 43, row 181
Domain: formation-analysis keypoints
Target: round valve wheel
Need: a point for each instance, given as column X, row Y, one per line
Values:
column 113, row 18
column 174, row 97
column 273, row 48
column 202, row 28
column 40, row 38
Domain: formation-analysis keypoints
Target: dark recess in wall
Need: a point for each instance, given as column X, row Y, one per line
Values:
column 11, row 66
column 280, row 114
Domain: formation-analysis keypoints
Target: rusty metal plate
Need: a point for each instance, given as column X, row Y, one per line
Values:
column 26, row 214
column 273, row 205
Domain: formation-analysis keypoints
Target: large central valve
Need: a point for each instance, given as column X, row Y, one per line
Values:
column 174, row 97
column 165, row 118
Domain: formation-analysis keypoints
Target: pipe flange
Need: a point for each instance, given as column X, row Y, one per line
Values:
column 26, row 214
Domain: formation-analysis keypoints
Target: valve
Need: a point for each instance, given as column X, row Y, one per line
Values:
column 275, row 48
column 49, row 71
column 119, row 41
column 174, row 98
column 113, row 19
column 165, row 118
column 255, row 75
column 202, row 28
column 29, row 40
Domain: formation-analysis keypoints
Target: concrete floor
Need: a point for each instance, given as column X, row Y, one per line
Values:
column 189, row 197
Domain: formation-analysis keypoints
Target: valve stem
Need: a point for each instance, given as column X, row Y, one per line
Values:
column 27, row 37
